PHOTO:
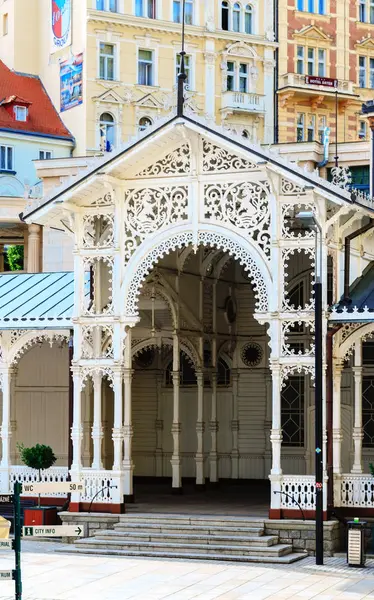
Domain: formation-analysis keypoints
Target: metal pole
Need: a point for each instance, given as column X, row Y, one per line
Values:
column 182, row 73
column 318, row 402
column 17, row 538
column 336, row 129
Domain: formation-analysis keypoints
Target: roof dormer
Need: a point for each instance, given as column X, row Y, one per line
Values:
column 17, row 107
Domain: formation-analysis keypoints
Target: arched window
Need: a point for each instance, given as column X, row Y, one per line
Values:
column 107, row 132
column 223, row 372
column 248, row 24
column 236, row 17
column 225, row 15
column 144, row 123
column 187, row 372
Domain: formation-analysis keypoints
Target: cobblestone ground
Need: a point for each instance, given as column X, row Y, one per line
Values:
column 51, row 575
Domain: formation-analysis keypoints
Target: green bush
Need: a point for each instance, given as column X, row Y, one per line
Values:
column 14, row 258
column 37, row 457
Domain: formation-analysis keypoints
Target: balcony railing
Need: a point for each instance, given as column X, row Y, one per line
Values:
column 242, row 101
column 296, row 80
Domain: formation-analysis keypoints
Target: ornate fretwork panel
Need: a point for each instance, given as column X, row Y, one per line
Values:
column 98, row 231
column 289, row 188
column 104, row 200
column 88, row 372
column 289, row 211
column 297, row 338
column 217, row 160
column 293, row 411
column 368, row 411
column 306, row 257
column 148, row 210
column 287, row 370
column 101, row 269
column 97, row 341
column 243, row 205
column 38, row 338
column 177, row 162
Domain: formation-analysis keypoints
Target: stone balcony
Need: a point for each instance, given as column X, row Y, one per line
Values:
column 294, row 80
column 234, row 102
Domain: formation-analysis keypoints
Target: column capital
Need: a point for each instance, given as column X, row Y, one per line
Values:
column 357, row 371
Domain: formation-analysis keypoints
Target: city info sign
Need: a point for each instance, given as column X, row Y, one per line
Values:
column 56, row 531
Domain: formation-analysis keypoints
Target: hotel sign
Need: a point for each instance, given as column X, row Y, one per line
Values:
column 325, row 81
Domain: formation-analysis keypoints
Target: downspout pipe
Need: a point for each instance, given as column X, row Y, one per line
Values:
column 347, row 257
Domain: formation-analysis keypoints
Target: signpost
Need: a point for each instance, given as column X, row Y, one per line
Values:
column 49, row 488
column 6, row 575
column 6, row 545
column 332, row 84
column 56, row 531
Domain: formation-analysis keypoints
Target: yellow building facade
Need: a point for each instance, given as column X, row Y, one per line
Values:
column 130, row 63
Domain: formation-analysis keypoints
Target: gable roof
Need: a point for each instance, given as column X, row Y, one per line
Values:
column 28, row 89
column 255, row 151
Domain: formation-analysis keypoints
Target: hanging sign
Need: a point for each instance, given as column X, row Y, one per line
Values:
column 71, row 82
column 60, row 24
column 325, row 81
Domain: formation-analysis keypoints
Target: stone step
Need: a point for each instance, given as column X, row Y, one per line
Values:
column 199, row 520
column 266, row 541
column 287, row 559
column 187, row 529
column 183, row 548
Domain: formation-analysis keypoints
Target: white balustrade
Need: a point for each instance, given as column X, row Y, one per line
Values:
column 100, row 486
column 357, row 490
column 24, row 474
column 244, row 101
column 298, row 491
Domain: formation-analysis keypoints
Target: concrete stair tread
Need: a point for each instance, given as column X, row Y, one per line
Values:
column 287, row 559
column 184, row 528
column 191, row 519
column 276, row 550
column 265, row 540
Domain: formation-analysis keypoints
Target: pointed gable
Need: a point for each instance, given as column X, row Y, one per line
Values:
column 312, row 32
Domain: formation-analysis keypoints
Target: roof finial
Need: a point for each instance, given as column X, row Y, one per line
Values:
column 182, row 73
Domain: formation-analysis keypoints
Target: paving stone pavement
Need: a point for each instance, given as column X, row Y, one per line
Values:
column 48, row 575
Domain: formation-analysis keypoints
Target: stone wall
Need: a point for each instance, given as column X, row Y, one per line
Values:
column 90, row 522
column 302, row 535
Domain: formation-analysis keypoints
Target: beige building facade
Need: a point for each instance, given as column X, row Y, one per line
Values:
column 130, row 63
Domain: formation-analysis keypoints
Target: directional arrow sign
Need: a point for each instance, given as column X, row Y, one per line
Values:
column 6, row 499
column 67, row 487
column 57, row 531
column 6, row 544
column 6, row 575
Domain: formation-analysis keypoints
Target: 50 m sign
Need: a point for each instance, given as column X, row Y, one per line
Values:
column 60, row 24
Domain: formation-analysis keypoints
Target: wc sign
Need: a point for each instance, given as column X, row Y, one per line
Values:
column 60, row 24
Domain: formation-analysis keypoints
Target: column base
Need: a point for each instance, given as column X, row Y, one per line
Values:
column 98, row 507
column 177, row 491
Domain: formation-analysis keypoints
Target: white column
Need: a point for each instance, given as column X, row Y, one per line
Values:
column 159, row 427
column 128, row 465
column 117, row 434
column 276, row 431
column 6, row 377
column 358, row 434
column 269, row 65
column 77, row 430
column 213, row 425
column 97, row 428
column 33, row 249
column 200, row 427
column 267, row 423
column 235, row 427
column 1, row 258
column 337, row 436
column 210, row 87
column 176, row 463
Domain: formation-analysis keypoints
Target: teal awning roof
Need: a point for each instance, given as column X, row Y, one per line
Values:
column 37, row 300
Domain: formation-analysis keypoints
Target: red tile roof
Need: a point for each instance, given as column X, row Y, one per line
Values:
column 28, row 89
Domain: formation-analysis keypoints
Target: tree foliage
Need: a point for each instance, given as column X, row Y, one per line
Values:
column 37, row 457
column 14, row 258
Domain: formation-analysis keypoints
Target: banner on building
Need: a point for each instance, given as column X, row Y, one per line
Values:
column 71, row 82
column 60, row 24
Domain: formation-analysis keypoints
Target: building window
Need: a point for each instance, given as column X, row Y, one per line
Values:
column 144, row 123
column 366, row 11
column 187, row 68
column 312, row 6
column 110, row 5
column 237, row 77
column 6, row 158
column 366, row 72
column 106, row 61
column 235, row 17
column 306, row 127
column 145, row 8
column 315, row 61
column 368, row 411
column 362, row 130
column 5, row 24
column 300, row 127
column 107, row 132
column 145, row 67
column 311, row 128
column 20, row 113
column 45, row 154
column 186, row 370
column 177, row 11
column 371, row 73
column 362, row 71
column 322, row 128
column 292, row 411
column 223, row 373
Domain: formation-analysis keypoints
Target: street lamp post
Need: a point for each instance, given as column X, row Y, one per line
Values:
column 308, row 219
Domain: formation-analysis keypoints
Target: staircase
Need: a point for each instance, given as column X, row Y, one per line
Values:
column 190, row 536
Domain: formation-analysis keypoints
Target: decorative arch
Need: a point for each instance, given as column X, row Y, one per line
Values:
column 155, row 248
column 87, row 372
column 186, row 347
column 358, row 335
column 25, row 342
column 287, row 370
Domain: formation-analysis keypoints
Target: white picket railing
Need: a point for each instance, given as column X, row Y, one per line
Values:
column 356, row 490
column 298, row 490
column 24, row 474
column 100, row 486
